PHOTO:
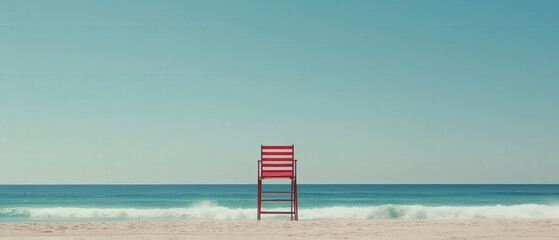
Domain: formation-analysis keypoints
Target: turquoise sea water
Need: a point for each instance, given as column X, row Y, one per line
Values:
column 36, row 203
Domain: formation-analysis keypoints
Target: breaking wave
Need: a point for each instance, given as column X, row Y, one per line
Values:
column 208, row 210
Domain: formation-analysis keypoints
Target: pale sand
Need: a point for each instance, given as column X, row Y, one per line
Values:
column 305, row 229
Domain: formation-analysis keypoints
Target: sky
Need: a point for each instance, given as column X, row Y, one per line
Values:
column 185, row 92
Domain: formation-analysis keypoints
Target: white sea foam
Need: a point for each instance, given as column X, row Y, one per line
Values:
column 429, row 212
column 207, row 210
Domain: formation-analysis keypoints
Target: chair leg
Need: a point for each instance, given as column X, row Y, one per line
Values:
column 259, row 199
column 295, row 193
column 292, row 201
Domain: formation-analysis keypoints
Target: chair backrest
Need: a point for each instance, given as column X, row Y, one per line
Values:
column 275, row 157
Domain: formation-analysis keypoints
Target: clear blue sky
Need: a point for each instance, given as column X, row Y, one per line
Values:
column 368, row 91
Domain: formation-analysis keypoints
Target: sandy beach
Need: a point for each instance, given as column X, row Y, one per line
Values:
column 274, row 229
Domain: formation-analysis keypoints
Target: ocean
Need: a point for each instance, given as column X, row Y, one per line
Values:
column 72, row 203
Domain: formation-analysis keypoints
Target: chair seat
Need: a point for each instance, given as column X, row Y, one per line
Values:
column 277, row 173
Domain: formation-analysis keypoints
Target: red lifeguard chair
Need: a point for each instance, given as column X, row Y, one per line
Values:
column 278, row 162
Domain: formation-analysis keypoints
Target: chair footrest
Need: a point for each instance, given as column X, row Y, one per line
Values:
column 276, row 200
column 269, row 212
column 277, row 192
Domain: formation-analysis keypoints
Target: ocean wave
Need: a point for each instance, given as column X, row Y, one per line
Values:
column 208, row 210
